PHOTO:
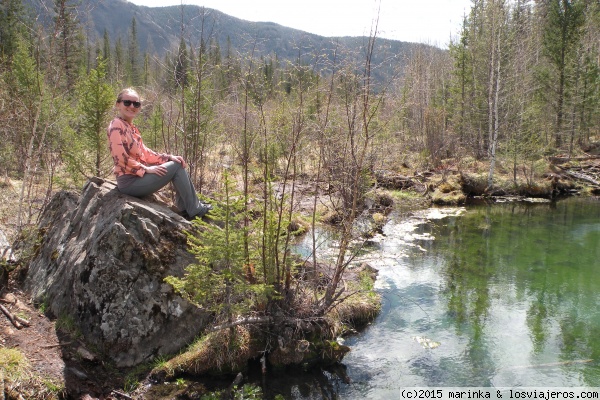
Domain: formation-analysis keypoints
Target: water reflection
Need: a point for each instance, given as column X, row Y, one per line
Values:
column 510, row 292
column 501, row 261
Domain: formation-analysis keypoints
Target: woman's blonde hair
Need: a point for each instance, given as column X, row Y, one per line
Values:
column 130, row 91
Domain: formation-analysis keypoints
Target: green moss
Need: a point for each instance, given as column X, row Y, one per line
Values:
column 401, row 195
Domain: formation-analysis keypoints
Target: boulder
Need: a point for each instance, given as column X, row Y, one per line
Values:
column 102, row 262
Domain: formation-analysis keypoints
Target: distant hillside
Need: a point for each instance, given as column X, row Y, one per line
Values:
column 159, row 31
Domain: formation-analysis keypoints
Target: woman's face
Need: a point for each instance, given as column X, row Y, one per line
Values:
column 127, row 106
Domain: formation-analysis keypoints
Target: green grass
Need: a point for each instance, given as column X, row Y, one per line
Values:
column 13, row 363
column 67, row 324
column 16, row 372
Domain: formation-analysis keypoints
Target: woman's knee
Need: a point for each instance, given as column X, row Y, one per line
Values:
column 173, row 166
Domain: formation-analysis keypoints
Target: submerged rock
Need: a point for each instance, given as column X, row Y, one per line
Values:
column 102, row 262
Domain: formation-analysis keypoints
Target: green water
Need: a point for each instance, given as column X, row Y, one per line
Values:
column 510, row 292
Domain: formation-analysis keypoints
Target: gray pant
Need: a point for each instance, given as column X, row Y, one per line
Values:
column 185, row 198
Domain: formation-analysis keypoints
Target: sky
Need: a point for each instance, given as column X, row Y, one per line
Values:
column 423, row 21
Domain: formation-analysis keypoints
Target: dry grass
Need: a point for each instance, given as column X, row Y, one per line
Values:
column 354, row 313
column 13, row 364
column 216, row 352
column 18, row 380
column 358, row 309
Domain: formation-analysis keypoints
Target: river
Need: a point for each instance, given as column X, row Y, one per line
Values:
column 501, row 295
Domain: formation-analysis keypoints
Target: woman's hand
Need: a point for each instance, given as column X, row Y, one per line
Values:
column 157, row 169
column 178, row 159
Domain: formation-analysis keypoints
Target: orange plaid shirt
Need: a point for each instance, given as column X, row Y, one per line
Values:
column 128, row 151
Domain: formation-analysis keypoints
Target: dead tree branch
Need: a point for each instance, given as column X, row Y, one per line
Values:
column 10, row 317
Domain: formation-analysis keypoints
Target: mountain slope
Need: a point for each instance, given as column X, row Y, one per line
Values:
column 159, row 31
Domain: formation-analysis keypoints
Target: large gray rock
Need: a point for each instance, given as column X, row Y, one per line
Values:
column 102, row 262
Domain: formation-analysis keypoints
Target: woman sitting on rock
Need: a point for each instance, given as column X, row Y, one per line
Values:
column 141, row 171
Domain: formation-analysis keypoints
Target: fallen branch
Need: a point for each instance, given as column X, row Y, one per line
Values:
column 50, row 346
column 581, row 176
column 561, row 160
column 299, row 322
column 10, row 317
column 121, row 394
column 23, row 321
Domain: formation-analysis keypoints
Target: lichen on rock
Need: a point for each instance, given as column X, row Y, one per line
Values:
column 102, row 262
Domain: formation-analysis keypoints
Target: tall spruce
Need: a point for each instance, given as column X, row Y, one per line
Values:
column 134, row 63
column 474, row 78
column 523, row 116
column 182, row 65
column 69, row 40
column 588, row 100
column 119, row 62
column 95, row 100
column 462, row 80
column 106, row 53
column 11, row 12
column 562, row 35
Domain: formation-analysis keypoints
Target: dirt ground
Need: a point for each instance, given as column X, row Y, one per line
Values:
column 38, row 342
column 59, row 364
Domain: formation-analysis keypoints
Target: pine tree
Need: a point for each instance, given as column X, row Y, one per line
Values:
column 27, row 86
column 120, row 62
column 106, row 53
column 134, row 67
column 10, row 28
column 95, row 100
column 69, row 40
column 562, row 34
column 182, row 65
column 221, row 280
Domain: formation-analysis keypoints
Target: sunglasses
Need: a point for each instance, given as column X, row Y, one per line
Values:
column 127, row 103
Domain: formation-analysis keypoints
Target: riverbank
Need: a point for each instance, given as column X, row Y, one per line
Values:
column 48, row 359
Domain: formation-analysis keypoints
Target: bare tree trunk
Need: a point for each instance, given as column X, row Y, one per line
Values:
column 491, row 80
column 358, row 155
column 28, row 163
column 494, row 85
column 494, row 141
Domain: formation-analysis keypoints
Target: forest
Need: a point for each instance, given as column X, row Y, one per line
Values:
column 518, row 84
